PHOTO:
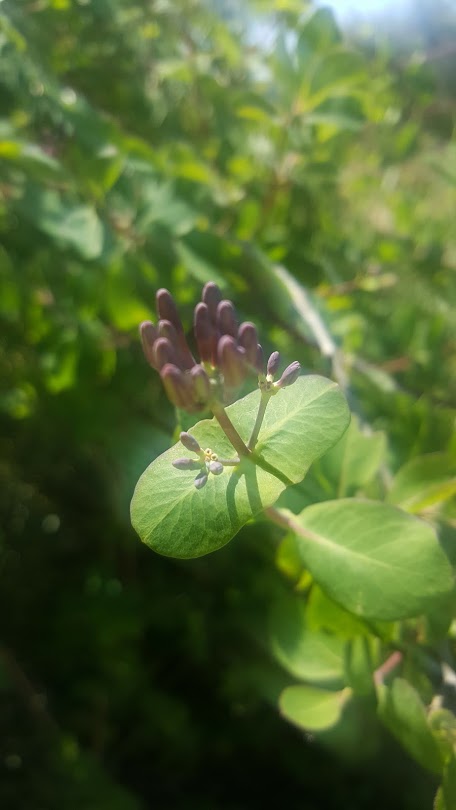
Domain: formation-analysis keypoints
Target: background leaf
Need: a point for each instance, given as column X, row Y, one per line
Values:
column 310, row 708
column 375, row 560
column 312, row 656
column 424, row 482
column 402, row 711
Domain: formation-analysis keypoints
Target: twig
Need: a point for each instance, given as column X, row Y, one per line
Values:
column 387, row 667
column 228, row 428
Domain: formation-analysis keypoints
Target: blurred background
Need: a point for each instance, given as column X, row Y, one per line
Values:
column 273, row 147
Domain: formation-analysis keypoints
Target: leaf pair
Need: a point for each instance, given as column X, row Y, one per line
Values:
column 300, row 425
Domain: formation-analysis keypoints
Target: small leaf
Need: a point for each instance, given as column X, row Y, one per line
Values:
column 311, row 655
column 301, row 423
column 310, row 708
column 424, row 482
column 373, row 559
column 403, row 713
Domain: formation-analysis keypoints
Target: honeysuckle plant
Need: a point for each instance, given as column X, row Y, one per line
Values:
column 372, row 560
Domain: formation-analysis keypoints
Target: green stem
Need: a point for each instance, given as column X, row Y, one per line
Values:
column 228, row 428
column 259, row 420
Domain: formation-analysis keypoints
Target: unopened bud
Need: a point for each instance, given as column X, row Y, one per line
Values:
column 215, row 467
column 200, row 386
column 190, row 442
column 259, row 365
column 167, row 330
column 167, row 311
column 273, row 363
column 186, row 464
column 289, row 376
column 205, row 334
column 176, row 386
column 164, row 352
column 148, row 333
column 211, row 296
column 248, row 339
column 231, row 360
column 201, row 479
column 226, row 319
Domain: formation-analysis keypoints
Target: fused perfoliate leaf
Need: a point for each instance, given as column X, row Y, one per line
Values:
column 177, row 519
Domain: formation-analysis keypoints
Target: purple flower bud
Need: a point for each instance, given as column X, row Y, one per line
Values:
column 164, row 352
column 205, row 334
column 231, row 360
column 215, row 467
column 200, row 386
column 211, row 296
column 248, row 339
column 167, row 330
column 190, row 442
column 226, row 319
column 259, row 365
column 201, row 479
column 176, row 386
column 167, row 311
column 290, row 375
column 273, row 363
column 148, row 333
column 186, row 464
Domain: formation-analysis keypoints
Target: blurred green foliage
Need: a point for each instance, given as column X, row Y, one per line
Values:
column 166, row 143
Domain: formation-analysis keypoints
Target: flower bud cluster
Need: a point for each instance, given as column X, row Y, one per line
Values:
column 289, row 376
column 228, row 352
column 206, row 463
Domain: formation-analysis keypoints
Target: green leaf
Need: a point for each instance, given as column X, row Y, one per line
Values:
column 373, row 559
column 310, row 708
column 403, row 713
column 359, row 664
column 335, row 73
column 423, row 482
column 354, row 460
column 75, row 226
column 446, row 794
column 311, row 655
column 301, row 423
column 325, row 614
